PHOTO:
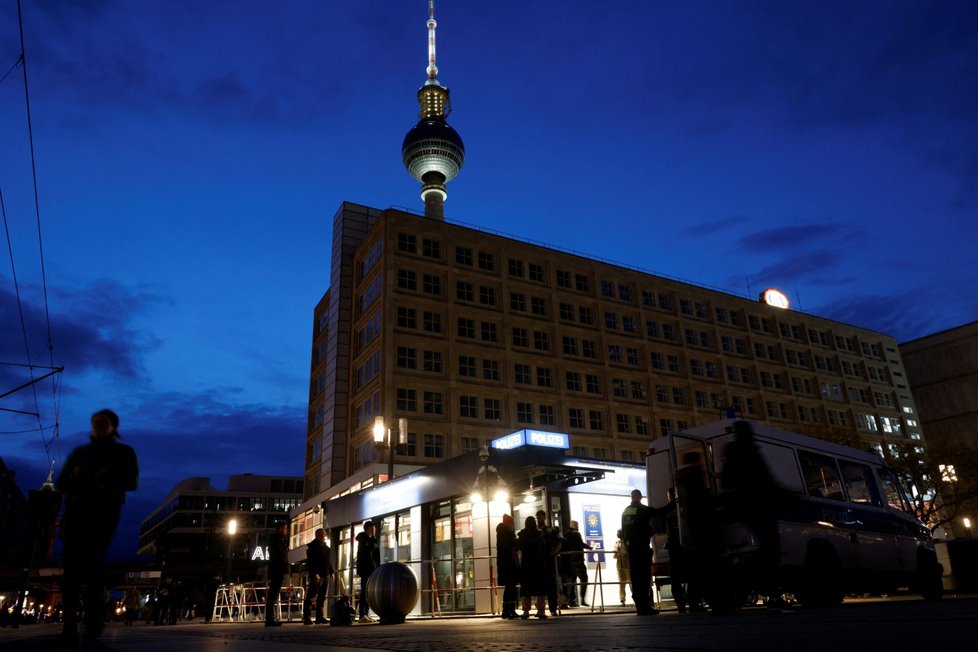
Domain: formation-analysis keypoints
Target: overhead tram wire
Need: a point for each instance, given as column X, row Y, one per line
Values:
column 23, row 323
column 40, row 240
column 11, row 68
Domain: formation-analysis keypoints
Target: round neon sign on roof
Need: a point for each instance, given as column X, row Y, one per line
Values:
column 776, row 298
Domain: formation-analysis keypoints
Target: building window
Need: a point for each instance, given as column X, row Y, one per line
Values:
column 582, row 282
column 521, row 337
column 431, row 322
column 407, row 400
column 516, row 268
column 524, row 412
column 490, row 369
column 585, row 315
column 633, row 357
column 434, row 445
column 658, row 360
column 487, row 296
column 638, row 390
column 489, row 332
column 466, row 366
column 608, row 289
column 433, row 403
column 470, row 444
column 538, row 306
column 430, row 248
column 624, row 292
column 566, row 311
column 589, row 349
column 627, row 456
column 407, row 279
column 407, row 358
column 628, row 324
column 619, row 387
column 522, row 374
column 642, row 426
column 463, row 256
column 537, row 273
column 407, row 243
column 464, row 291
column 491, row 409
column 541, row 341
column 545, row 377
column 570, row 345
column 623, row 423
column 576, row 417
column 432, row 361
column 596, row 419
column 665, row 302
column 407, row 317
column 547, row 417
column 466, row 327
column 611, row 320
column 431, row 284
column 564, row 279
column 592, row 383
column 468, row 407
column 614, row 353
column 487, row 262
column 517, row 301
column 573, row 381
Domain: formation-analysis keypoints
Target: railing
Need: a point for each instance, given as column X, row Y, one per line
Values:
column 246, row 602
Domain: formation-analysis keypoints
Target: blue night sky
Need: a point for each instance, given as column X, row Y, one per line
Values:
column 190, row 156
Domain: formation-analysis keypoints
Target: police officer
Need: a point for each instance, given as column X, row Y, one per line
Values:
column 552, row 543
column 637, row 531
column 278, row 568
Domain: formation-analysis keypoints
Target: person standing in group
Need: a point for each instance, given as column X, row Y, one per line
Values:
column 621, row 565
column 637, row 529
column 278, row 568
column 508, row 564
column 552, row 544
column 94, row 481
column 534, row 562
column 131, row 605
column 573, row 567
column 679, row 562
column 321, row 573
column 754, row 496
column 368, row 559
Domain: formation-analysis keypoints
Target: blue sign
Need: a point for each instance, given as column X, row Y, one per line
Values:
column 527, row 437
column 592, row 521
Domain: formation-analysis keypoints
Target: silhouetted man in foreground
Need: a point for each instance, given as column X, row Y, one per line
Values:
column 94, row 481
column 637, row 531
column 320, row 568
column 278, row 568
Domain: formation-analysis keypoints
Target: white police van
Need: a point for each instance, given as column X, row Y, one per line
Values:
column 845, row 527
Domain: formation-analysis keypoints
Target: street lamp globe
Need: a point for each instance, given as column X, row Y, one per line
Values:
column 233, row 526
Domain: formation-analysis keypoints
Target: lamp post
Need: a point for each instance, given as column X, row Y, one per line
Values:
column 967, row 525
column 232, row 530
column 384, row 439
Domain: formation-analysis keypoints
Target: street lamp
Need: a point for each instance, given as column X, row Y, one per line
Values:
column 967, row 525
column 383, row 439
column 232, row 530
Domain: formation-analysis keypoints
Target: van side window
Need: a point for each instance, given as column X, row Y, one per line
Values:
column 860, row 484
column 821, row 476
column 895, row 497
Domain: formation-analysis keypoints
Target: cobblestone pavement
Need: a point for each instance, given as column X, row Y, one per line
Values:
column 897, row 624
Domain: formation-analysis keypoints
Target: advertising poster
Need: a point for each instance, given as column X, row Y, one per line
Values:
column 592, row 531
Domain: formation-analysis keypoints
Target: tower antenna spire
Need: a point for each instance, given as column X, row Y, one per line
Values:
column 432, row 151
column 432, row 24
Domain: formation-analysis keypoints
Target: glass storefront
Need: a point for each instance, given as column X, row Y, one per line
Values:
column 452, row 556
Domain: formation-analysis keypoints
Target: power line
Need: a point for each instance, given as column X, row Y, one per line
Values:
column 11, row 68
column 40, row 239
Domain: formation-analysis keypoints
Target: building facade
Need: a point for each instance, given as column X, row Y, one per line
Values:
column 943, row 373
column 188, row 533
column 470, row 335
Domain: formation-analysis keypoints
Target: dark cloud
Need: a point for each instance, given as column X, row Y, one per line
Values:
column 898, row 315
column 708, row 228
column 93, row 330
column 797, row 266
column 797, row 236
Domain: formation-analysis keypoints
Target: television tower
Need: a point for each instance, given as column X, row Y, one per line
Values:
column 432, row 151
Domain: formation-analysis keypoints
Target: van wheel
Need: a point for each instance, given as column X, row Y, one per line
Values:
column 930, row 577
column 822, row 581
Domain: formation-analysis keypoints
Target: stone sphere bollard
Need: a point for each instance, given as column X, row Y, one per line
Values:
column 392, row 592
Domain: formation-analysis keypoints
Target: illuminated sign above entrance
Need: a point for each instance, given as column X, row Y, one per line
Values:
column 775, row 298
column 527, row 437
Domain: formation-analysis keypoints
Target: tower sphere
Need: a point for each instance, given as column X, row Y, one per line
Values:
column 433, row 146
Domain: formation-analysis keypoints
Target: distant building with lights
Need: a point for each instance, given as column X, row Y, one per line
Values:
column 943, row 373
column 188, row 532
column 471, row 335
